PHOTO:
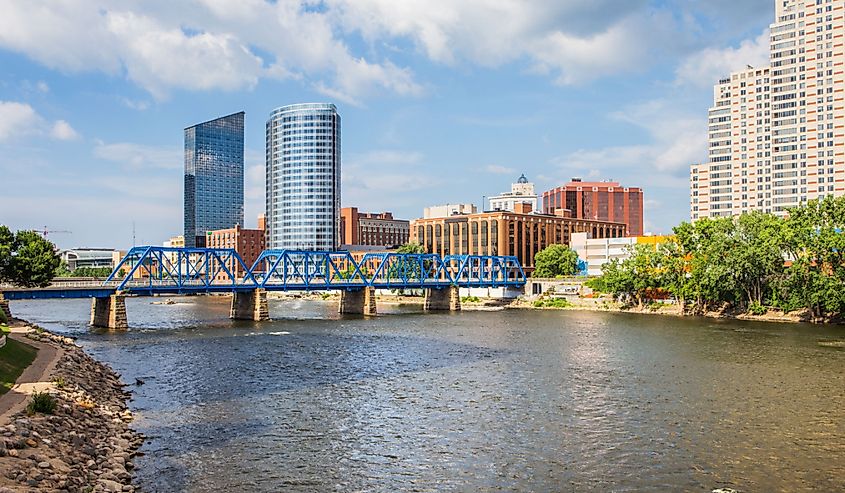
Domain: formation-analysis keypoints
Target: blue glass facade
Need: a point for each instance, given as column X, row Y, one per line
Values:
column 214, row 177
column 303, row 177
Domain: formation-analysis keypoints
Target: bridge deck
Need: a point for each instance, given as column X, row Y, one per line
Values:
column 56, row 293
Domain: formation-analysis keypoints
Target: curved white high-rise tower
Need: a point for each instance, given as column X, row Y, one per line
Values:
column 303, row 177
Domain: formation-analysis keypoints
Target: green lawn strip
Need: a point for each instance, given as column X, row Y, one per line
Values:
column 14, row 358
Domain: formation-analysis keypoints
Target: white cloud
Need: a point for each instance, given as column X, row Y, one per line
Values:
column 135, row 104
column 675, row 140
column 499, row 170
column 573, row 41
column 17, row 119
column 159, row 58
column 42, row 86
column 216, row 44
column 21, row 120
column 706, row 67
column 137, row 156
column 170, row 46
column 63, row 131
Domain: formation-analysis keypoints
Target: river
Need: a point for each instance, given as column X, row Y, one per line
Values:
column 514, row 400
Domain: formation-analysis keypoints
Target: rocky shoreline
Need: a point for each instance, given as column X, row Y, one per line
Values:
column 86, row 445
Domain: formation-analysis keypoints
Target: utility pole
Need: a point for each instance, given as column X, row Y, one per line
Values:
column 133, row 233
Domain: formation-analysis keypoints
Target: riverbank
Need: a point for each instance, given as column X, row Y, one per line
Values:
column 670, row 309
column 86, row 444
column 574, row 304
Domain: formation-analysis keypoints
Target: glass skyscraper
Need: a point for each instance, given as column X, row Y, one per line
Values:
column 214, row 177
column 303, row 177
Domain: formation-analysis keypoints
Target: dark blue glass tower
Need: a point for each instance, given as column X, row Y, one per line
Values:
column 214, row 177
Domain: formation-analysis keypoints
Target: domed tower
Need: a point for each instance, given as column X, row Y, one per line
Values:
column 522, row 187
column 522, row 192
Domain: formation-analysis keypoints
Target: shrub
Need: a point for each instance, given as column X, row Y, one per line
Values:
column 41, row 402
column 470, row 299
column 60, row 382
column 755, row 308
column 552, row 303
column 3, row 319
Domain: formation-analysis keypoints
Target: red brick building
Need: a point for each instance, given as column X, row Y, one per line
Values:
column 375, row 229
column 249, row 243
column 602, row 201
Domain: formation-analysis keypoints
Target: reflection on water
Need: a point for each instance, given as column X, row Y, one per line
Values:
column 505, row 401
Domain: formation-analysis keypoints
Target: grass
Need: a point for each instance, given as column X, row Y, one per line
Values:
column 14, row 358
column 41, row 402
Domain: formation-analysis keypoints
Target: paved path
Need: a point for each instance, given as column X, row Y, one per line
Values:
column 35, row 378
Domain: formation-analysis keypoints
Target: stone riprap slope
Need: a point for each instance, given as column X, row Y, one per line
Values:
column 86, row 445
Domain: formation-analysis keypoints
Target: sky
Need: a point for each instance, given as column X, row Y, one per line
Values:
column 440, row 100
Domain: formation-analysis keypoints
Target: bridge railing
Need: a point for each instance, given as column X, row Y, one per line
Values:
column 485, row 270
column 198, row 269
column 404, row 271
column 164, row 267
column 306, row 269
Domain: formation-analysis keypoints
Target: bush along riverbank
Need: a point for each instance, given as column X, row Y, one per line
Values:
column 76, row 435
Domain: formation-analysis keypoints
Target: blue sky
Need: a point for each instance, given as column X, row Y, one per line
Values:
column 441, row 101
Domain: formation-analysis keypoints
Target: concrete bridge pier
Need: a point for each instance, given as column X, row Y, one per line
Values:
column 4, row 307
column 358, row 302
column 441, row 299
column 109, row 312
column 250, row 305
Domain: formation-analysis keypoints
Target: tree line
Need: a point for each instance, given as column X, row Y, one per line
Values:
column 753, row 261
column 26, row 258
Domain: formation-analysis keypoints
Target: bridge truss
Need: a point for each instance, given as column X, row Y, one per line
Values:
column 152, row 269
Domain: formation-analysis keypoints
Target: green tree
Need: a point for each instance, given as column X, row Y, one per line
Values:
column 63, row 270
column 408, row 268
column 411, row 248
column 815, row 241
column 33, row 262
column 707, row 243
column 7, row 247
column 750, row 261
column 554, row 261
column 674, row 271
column 757, row 257
column 633, row 278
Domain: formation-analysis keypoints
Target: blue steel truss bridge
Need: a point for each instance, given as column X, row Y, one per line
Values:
column 151, row 271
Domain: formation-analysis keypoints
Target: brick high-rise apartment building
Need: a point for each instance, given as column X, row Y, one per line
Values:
column 776, row 133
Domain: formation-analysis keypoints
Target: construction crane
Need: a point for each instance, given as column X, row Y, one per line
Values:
column 46, row 231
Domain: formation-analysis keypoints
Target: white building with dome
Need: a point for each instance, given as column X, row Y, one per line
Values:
column 522, row 192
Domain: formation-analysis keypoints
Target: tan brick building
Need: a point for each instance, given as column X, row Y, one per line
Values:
column 519, row 233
